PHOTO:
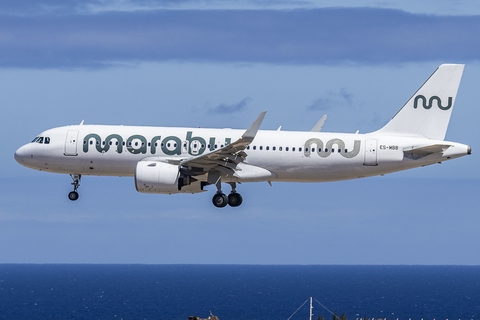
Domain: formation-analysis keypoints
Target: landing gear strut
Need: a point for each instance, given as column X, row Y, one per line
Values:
column 76, row 183
column 220, row 200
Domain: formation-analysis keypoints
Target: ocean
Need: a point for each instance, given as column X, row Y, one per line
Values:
column 237, row 292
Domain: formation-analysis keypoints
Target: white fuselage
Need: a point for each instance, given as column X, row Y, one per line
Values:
column 291, row 156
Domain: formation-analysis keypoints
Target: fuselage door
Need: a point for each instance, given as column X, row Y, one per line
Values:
column 370, row 153
column 71, row 143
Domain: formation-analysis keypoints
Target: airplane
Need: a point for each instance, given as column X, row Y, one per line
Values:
column 171, row 160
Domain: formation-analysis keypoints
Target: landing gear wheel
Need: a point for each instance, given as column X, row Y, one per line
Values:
column 220, row 200
column 235, row 199
column 73, row 195
column 76, row 183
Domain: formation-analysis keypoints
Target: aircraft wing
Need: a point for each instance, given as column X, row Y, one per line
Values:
column 416, row 153
column 227, row 158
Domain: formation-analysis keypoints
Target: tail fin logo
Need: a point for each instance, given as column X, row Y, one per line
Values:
column 430, row 102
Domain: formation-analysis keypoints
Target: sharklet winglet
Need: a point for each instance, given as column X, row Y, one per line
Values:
column 251, row 132
column 320, row 123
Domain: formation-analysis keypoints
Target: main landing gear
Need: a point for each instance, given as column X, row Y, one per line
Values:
column 234, row 199
column 76, row 183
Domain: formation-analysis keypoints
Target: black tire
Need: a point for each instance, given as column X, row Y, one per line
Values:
column 73, row 195
column 220, row 200
column 235, row 199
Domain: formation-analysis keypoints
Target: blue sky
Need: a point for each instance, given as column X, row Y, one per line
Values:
column 219, row 64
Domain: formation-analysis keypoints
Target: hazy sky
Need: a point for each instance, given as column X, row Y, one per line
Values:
column 219, row 64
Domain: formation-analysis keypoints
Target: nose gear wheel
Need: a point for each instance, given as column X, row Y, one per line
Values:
column 76, row 183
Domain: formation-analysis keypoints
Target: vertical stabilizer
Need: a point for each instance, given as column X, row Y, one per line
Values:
column 428, row 111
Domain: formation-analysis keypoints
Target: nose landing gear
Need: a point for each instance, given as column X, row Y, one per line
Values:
column 76, row 183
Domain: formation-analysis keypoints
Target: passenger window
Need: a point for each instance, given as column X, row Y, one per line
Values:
column 300, row 149
column 91, row 142
column 254, row 147
column 293, row 149
column 261, row 148
column 286, row 149
column 216, row 146
column 248, row 147
column 103, row 142
column 346, row 150
column 274, row 148
column 47, row 140
column 279, row 148
column 333, row 150
column 267, row 148
column 339, row 150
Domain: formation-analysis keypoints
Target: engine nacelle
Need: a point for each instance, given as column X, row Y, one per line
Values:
column 160, row 177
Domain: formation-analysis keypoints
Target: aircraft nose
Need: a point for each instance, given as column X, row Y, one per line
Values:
column 22, row 154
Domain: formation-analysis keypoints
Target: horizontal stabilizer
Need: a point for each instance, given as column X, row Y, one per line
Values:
column 416, row 153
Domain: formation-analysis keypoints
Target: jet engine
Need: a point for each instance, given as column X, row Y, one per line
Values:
column 160, row 177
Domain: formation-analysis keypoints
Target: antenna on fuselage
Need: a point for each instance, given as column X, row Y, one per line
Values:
column 81, row 123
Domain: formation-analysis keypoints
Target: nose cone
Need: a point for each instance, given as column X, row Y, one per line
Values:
column 23, row 154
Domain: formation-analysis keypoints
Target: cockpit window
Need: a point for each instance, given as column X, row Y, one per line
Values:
column 45, row 140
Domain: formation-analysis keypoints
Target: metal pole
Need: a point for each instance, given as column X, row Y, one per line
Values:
column 311, row 307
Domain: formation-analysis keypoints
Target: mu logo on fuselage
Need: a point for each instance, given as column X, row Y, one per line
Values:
column 430, row 102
